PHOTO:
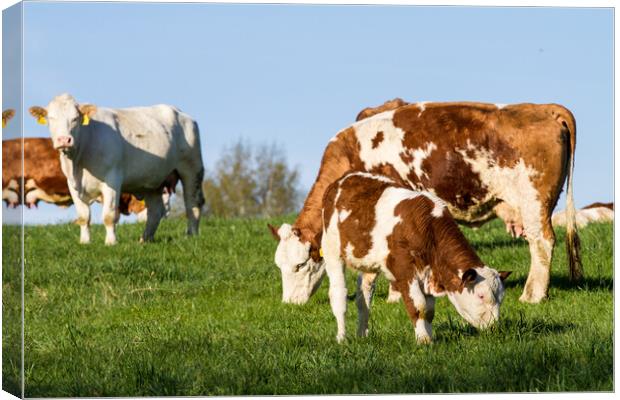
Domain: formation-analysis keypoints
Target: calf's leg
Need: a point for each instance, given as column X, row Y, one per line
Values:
column 393, row 294
column 363, row 298
column 416, row 306
column 337, row 294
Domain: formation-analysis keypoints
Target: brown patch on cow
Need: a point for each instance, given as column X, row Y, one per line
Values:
column 597, row 205
column 109, row 219
column 387, row 106
column 376, row 141
column 341, row 156
column 359, row 196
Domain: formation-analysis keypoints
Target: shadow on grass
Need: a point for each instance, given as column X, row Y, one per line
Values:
column 496, row 244
column 563, row 283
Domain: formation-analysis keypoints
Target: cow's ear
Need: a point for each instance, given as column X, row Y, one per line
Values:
column 39, row 113
column 469, row 276
column 274, row 232
column 6, row 116
column 504, row 274
column 87, row 111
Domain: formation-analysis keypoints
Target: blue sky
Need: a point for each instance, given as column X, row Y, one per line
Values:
column 296, row 74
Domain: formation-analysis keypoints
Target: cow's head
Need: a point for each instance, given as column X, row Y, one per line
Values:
column 480, row 296
column 65, row 118
column 300, row 264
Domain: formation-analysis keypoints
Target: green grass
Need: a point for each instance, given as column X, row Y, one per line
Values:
column 202, row 316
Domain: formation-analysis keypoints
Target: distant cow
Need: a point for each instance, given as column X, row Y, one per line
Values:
column 44, row 180
column 105, row 151
column 473, row 156
column 371, row 225
column 596, row 212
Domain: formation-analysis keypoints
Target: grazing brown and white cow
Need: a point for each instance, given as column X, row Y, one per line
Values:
column 44, row 180
column 371, row 225
column 596, row 212
column 473, row 156
column 105, row 151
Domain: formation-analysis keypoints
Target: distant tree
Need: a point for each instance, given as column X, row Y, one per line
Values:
column 251, row 182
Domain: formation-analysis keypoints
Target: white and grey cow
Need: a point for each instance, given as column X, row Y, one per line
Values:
column 104, row 151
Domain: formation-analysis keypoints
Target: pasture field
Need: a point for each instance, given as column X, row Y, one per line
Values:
column 202, row 316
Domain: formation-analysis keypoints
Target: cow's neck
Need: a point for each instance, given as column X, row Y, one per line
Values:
column 70, row 161
column 339, row 158
column 450, row 255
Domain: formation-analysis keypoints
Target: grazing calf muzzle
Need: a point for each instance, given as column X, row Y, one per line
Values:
column 302, row 270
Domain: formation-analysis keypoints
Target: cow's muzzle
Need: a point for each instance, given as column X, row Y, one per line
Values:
column 63, row 142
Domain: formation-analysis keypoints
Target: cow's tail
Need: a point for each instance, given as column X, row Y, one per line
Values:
column 573, row 245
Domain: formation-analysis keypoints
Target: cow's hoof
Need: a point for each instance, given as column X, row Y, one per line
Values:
column 424, row 340
column 110, row 242
column 393, row 297
column 339, row 338
column 531, row 298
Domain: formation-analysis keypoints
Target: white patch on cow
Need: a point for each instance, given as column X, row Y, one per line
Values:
column 389, row 149
column 368, row 175
column 10, row 193
column 419, row 155
column 513, row 185
column 500, row 106
column 439, row 207
column 342, row 215
column 415, row 292
column 422, row 106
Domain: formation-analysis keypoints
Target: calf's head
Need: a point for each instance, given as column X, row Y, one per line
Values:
column 301, row 266
column 479, row 296
column 65, row 118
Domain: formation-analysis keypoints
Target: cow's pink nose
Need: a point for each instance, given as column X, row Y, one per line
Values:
column 64, row 141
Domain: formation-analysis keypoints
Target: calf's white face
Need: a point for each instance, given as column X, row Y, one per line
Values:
column 301, row 274
column 481, row 296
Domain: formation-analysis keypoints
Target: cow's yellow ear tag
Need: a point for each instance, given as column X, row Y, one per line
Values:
column 321, row 252
column 3, row 123
column 42, row 120
column 86, row 120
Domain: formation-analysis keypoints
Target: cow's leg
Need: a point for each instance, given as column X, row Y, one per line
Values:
column 393, row 294
column 83, row 215
column 154, row 212
column 365, row 290
column 337, row 294
column 541, row 238
column 109, row 212
column 191, row 178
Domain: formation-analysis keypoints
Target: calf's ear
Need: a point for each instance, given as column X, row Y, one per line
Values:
column 504, row 274
column 39, row 113
column 469, row 276
column 274, row 232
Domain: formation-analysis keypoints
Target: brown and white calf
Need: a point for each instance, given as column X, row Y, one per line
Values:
column 45, row 181
column 473, row 156
column 371, row 225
